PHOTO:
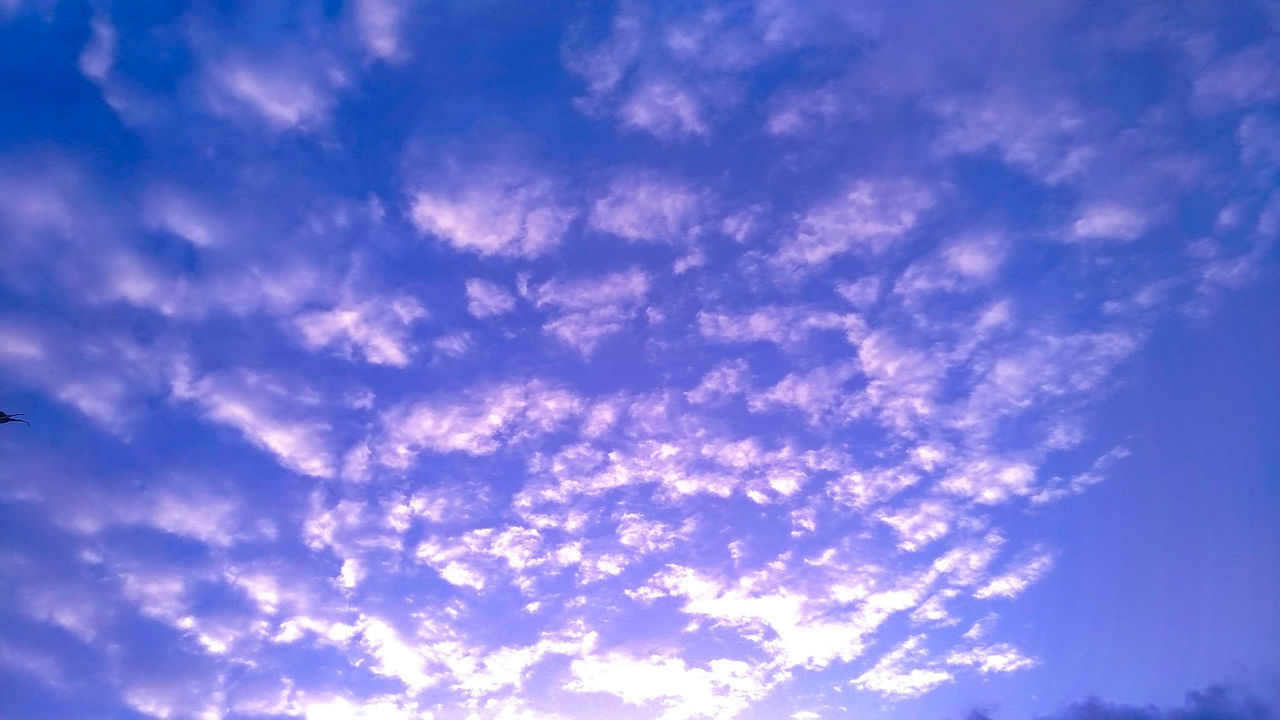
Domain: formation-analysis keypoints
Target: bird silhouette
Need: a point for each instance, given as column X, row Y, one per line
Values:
column 6, row 418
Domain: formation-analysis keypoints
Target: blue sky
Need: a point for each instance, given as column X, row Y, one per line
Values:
column 550, row 361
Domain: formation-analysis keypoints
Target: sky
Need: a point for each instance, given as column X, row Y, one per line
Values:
column 758, row 360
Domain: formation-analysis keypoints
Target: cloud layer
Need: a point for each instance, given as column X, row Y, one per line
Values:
column 397, row 360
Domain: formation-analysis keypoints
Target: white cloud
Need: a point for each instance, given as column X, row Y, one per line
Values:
column 644, row 206
column 660, row 71
column 1017, row 578
column 868, row 488
column 686, row 461
column 332, row 707
column 1046, row 138
column 103, row 376
column 585, row 330
column 665, row 109
column 805, row 630
column 788, row 326
column 962, row 264
column 861, row 293
column 186, row 507
column 184, row 216
column 903, row 381
column 625, row 288
column 478, row 422
column 726, row 380
column 990, row 481
column 378, row 24
column 1248, row 77
column 1058, row 488
column 966, row 564
column 867, row 216
column 160, row 697
column 499, row 211
column 254, row 403
column 590, row 309
column 487, row 299
column 920, row 524
column 818, row 394
column 378, row 328
column 1259, row 139
column 604, row 66
column 98, row 55
column 816, row 451
column 903, row 672
column 278, row 90
column 1107, row 220
column 1041, row 367
column 645, row 536
column 999, row 658
column 454, row 344
column 718, row 691
column 934, row 609
column 806, row 112
column 394, row 656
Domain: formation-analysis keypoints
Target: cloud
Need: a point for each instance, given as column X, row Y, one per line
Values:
column 1110, row 221
column 1029, row 374
column 393, row 656
column 672, row 71
column 724, row 381
column 486, row 299
column 962, row 264
column 280, row 91
column 378, row 24
column 645, row 206
column 1017, row 578
column 920, row 525
column 719, row 691
column 787, row 326
column 802, row 113
column 646, row 536
column 811, row 625
column 478, row 422
column 339, row 708
column 664, row 109
column 379, row 329
column 1000, row 658
column 990, row 481
column 181, row 214
column 903, row 672
column 103, row 375
column 503, row 212
column 867, row 216
column 604, row 66
column 745, row 391
column 264, row 409
column 204, row 511
column 1257, row 137
column 1247, row 77
column 818, row 393
column 591, row 309
column 1046, row 137
column 98, row 55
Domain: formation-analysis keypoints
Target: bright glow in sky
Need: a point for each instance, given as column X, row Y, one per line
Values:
column 709, row 360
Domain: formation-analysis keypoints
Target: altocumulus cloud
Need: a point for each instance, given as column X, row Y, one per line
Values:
column 539, row 361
